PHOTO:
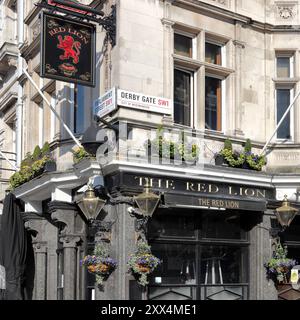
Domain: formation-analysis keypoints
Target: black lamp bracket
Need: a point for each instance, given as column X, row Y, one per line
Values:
column 84, row 12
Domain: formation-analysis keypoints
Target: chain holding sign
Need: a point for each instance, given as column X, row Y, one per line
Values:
column 68, row 49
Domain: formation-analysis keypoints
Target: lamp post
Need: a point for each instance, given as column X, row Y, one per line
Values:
column 285, row 214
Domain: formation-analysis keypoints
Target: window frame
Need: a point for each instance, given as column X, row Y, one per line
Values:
column 291, row 57
column 292, row 92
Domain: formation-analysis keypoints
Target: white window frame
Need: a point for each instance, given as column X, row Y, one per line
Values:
column 223, row 49
column 291, row 66
column 41, row 124
column 192, row 37
column 292, row 135
column 53, row 117
column 223, row 101
column 193, row 91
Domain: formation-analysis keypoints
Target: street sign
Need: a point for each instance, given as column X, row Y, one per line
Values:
column 68, row 49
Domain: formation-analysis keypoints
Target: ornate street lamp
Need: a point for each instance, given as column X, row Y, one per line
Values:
column 285, row 214
column 91, row 205
column 147, row 202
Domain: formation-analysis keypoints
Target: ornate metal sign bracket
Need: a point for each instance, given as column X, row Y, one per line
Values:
column 73, row 8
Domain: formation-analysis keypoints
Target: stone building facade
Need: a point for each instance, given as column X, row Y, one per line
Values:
column 225, row 69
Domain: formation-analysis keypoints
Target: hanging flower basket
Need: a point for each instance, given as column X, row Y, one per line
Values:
column 100, row 263
column 142, row 263
column 279, row 267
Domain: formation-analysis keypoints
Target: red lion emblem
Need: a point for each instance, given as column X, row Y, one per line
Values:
column 71, row 48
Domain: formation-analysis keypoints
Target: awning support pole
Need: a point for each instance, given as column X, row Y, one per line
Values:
column 53, row 109
column 280, row 122
column 4, row 156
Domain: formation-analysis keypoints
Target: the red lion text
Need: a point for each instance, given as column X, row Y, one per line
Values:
column 71, row 48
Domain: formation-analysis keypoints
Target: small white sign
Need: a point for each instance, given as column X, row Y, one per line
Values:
column 105, row 104
column 144, row 102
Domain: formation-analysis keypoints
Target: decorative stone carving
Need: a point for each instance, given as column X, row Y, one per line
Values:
column 222, row 2
column 286, row 10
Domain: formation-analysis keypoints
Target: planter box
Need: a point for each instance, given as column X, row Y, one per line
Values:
column 220, row 160
column 286, row 292
column 50, row 166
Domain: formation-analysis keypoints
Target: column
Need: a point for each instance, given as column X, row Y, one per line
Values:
column 70, row 244
column 40, row 287
column 71, row 235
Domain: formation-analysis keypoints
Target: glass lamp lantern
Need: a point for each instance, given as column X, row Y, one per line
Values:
column 147, row 202
column 285, row 214
column 91, row 205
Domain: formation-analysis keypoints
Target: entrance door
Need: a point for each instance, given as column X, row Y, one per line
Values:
column 204, row 254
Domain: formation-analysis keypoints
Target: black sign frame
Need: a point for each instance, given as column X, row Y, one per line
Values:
column 65, row 71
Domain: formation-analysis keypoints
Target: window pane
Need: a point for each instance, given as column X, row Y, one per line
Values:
column 182, row 45
column 79, row 109
column 172, row 225
column 213, row 109
column 283, row 101
column 182, row 97
column 178, row 266
column 213, row 53
column 223, row 264
column 283, row 67
column 226, row 225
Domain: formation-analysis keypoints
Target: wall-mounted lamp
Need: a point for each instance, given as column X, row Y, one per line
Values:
column 285, row 214
column 147, row 202
column 90, row 204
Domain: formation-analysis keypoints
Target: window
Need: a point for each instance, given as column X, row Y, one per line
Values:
column 213, row 103
column 183, row 45
column 285, row 65
column 182, row 97
column 213, row 53
column 283, row 99
column 204, row 254
column 53, row 117
column 41, row 124
column 79, row 115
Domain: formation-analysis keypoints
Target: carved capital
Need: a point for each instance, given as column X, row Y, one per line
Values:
column 35, row 224
column 66, row 215
column 39, row 246
column 70, row 241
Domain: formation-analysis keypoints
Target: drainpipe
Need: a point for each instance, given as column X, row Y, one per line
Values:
column 19, row 108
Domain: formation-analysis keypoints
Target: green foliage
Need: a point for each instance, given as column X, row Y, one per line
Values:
column 279, row 266
column 236, row 159
column 142, row 263
column 181, row 150
column 227, row 144
column 80, row 154
column 36, row 153
column 248, row 146
column 31, row 166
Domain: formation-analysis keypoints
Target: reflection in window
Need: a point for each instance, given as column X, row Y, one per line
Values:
column 178, row 264
column 283, row 101
column 213, row 53
column 79, row 109
column 182, row 97
column 182, row 45
column 213, row 104
column 283, row 67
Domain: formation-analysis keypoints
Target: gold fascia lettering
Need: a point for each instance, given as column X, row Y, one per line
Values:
column 170, row 184
column 190, row 186
column 212, row 188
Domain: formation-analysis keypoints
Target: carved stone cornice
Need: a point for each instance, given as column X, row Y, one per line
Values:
column 61, row 205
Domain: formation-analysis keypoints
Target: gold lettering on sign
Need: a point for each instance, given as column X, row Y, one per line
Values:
column 190, row 186
column 218, row 203
column 213, row 188
column 170, row 184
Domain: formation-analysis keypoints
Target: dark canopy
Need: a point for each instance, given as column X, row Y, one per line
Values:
column 13, row 247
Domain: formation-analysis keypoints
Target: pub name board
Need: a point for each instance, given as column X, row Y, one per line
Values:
column 67, row 50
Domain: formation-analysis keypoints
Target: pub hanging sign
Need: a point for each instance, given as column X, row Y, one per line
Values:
column 68, row 50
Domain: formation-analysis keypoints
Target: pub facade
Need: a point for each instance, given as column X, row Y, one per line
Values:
column 201, row 71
